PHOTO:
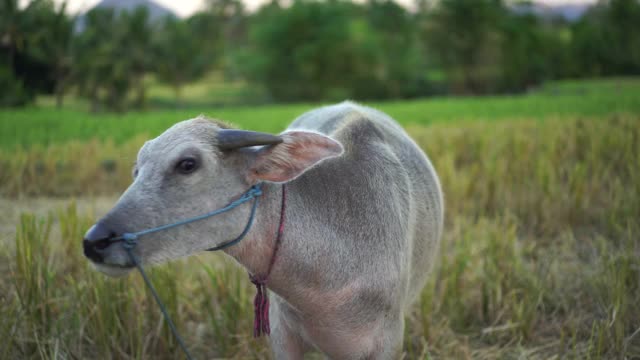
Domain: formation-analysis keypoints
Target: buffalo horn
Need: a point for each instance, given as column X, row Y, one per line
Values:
column 229, row 139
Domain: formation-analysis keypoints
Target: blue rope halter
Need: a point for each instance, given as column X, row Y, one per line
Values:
column 130, row 240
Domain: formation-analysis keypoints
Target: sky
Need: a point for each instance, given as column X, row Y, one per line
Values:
column 185, row 8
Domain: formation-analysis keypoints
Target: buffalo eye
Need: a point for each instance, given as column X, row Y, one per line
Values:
column 187, row 166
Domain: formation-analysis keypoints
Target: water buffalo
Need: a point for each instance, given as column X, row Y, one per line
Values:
column 363, row 219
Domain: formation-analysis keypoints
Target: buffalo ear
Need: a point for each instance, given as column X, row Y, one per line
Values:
column 298, row 152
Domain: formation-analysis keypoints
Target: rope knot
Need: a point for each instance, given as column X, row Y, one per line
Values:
column 129, row 240
column 256, row 190
column 258, row 280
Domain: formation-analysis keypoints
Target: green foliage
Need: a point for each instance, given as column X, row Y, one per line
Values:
column 14, row 92
column 606, row 40
column 394, row 37
column 112, row 56
column 310, row 50
column 230, row 35
column 333, row 50
column 180, row 58
column 464, row 37
column 497, row 49
column 33, row 51
column 298, row 50
column 50, row 36
column 531, row 53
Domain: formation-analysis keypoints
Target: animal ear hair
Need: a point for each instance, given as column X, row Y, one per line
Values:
column 298, row 152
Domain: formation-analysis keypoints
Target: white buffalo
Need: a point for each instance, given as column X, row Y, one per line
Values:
column 343, row 254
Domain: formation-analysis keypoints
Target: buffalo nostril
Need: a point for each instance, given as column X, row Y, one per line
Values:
column 96, row 240
column 90, row 251
column 102, row 244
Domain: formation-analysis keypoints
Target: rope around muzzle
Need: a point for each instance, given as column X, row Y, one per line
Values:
column 253, row 193
column 261, row 302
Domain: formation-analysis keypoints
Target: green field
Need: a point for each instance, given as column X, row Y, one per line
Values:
column 540, row 256
column 592, row 99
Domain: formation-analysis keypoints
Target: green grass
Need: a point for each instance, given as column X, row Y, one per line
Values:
column 44, row 125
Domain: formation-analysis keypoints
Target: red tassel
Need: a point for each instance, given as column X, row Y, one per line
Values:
column 261, row 324
column 260, row 308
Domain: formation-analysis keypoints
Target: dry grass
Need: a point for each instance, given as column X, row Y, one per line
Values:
column 540, row 257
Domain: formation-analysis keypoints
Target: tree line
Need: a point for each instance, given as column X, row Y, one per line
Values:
column 310, row 50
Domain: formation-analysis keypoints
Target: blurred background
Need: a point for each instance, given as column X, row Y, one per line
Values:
column 119, row 55
column 529, row 111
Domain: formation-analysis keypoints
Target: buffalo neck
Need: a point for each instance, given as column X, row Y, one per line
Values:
column 256, row 251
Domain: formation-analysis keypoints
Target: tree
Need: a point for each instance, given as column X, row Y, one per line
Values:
column 229, row 20
column 606, row 41
column 531, row 52
column 394, row 32
column 315, row 51
column 101, row 67
column 11, row 36
column 464, row 37
column 209, row 39
column 179, row 56
column 50, row 37
column 34, row 43
column 111, row 57
column 135, row 42
column 13, row 91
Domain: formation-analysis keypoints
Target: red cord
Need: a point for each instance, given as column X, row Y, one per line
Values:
column 261, row 324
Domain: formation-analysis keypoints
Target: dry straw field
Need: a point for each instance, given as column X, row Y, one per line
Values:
column 540, row 257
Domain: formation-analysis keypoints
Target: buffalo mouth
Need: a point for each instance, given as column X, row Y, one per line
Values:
column 105, row 243
column 106, row 258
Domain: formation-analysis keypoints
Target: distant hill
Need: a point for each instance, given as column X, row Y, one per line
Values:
column 157, row 12
column 569, row 12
